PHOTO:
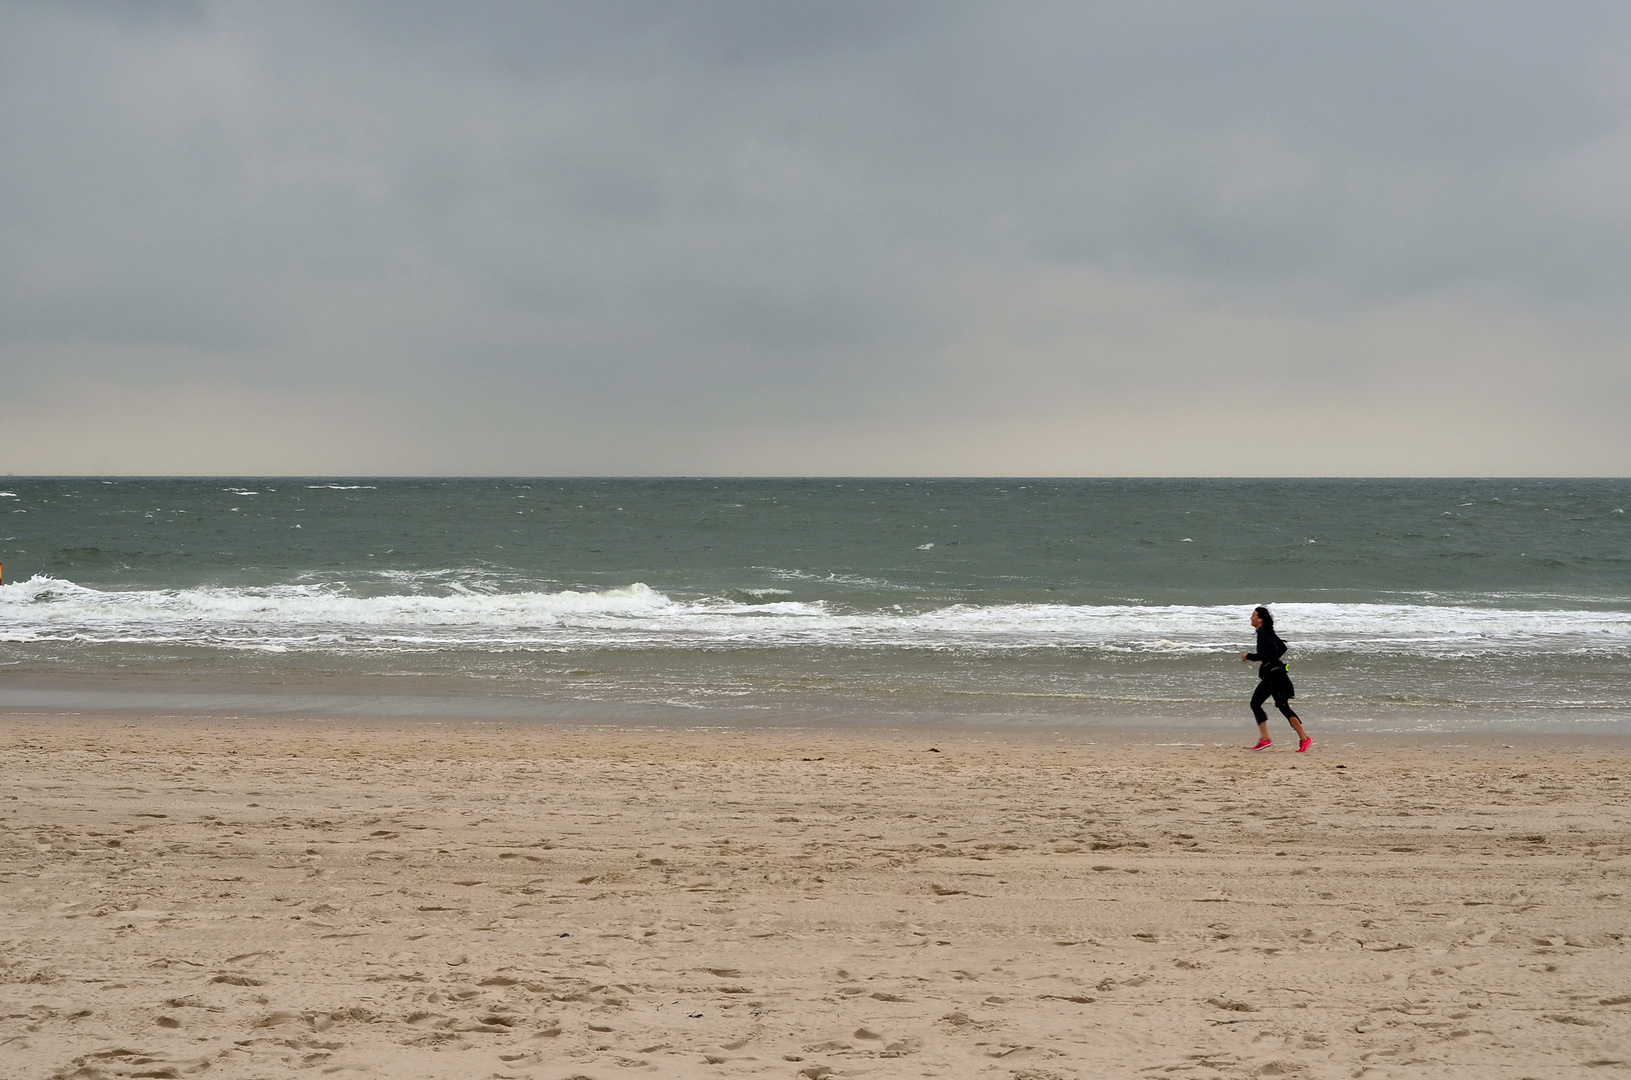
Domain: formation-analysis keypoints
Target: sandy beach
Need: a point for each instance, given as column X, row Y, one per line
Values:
column 241, row 898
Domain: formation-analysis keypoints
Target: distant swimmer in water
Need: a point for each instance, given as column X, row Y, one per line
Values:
column 1274, row 681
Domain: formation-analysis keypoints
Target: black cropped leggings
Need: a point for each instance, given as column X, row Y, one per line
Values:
column 1279, row 688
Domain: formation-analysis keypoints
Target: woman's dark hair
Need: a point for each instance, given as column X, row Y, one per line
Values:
column 1263, row 613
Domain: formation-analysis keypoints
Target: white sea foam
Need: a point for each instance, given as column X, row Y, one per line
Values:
column 320, row 616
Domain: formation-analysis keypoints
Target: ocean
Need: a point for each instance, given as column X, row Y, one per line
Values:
column 1409, row 605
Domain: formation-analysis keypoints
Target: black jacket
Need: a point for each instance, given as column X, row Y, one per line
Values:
column 1269, row 651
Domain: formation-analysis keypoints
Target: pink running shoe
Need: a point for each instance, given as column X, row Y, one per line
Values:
column 1262, row 743
column 1302, row 747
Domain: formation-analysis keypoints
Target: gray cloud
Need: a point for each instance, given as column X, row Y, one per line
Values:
column 810, row 237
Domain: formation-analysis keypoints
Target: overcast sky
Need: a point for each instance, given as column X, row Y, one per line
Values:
column 815, row 238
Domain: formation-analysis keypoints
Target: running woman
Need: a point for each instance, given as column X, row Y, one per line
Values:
column 1274, row 681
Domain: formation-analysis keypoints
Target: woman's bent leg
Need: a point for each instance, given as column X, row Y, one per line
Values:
column 1260, row 695
column 1284, row 705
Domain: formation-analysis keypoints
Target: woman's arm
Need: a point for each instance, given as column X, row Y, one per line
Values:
column 1262, row 648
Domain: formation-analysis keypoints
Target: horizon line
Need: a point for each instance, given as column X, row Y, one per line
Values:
column 112, row 477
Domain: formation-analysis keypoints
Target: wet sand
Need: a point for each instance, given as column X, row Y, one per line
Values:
column 254, row 898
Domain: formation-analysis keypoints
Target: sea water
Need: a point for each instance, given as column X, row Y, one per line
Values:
column 1408, row 604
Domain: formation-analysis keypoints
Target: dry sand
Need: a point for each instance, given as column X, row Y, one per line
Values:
column 253, row 899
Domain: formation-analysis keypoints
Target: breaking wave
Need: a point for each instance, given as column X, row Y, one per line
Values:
column 331, row 616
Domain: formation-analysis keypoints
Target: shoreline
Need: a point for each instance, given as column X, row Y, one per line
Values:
column 435, row 699
column 612, row 720
column 422, row 899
